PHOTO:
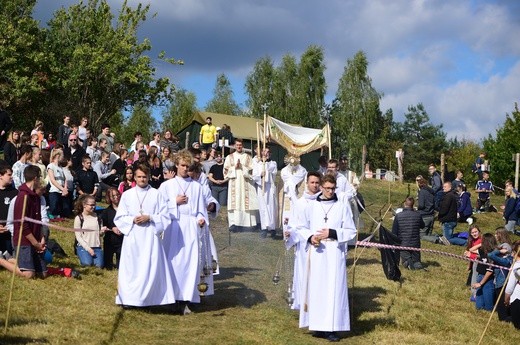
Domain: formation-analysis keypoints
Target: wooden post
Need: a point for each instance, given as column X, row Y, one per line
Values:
column 400, row 155
column 516, row 159
column 442, row 167
column 187, row 141
column 363, row 161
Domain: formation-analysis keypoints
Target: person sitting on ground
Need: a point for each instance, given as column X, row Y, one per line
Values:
column 448, row 216
column 484, row 188
column 512, row 291
column 471, row 252
column 86, row 180
column 485, row 296
column 32, row 245
column 464, row 209
column 88, row 248
column 128, row 180
column 501, row 256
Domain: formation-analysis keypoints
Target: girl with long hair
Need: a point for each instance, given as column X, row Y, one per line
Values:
column 89, row 242
column 485, row 296
column 128, row 180
column 472, row 247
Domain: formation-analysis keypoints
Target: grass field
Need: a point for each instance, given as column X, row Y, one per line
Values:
column 425, row 307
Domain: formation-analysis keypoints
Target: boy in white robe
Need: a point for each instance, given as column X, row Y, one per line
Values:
column 145, row 277
column 264, row 176
column 327, row 226
column 186, row 208
column 293, row 238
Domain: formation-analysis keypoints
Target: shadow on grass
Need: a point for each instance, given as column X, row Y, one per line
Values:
column 226, row 273
column 117, row 321
column 363, row 261
column 230, row 295
column 364, row 300
column 6, row 339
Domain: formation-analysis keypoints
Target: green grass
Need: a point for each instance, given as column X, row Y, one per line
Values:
column 424, row 308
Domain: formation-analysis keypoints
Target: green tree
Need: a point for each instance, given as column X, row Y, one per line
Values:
column 140, row 120
column 24, row 76
column 357, row 114
column 98, row 64
column 312, row 87
column 381, row 153
column 423, row 141
column 501, row 148
column 461, row 156
column 259, row 87
column 285, row 87
column 180, row 110
column 223, row 101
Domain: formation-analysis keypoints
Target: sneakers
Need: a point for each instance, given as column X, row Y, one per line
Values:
column 469, row 220
column 444, row 240
column 6, row 255
column 472, row 299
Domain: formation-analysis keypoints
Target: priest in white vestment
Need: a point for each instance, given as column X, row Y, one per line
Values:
column 145, row 277
column 242, row 200
column 327, row 226
column 186, row 208
column 264, row 175
column 294, row 239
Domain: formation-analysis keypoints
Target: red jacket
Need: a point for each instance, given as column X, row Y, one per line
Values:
column 32, row 210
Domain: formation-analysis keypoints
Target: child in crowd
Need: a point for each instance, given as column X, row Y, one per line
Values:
column 89, row 242
column 485, row 296
column 474, row 243
column 464, row 209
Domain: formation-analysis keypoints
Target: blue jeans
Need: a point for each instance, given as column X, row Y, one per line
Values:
column 85, row 259
column 485, row 298
column 447, row 231
column 220, row 193
column 55, row 203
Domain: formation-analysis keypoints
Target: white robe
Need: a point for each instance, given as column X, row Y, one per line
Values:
column 181, row 238
column 325, row 290
column 299, row 243
column 267, row 195
column 291, row 176
column 343, row 186
column 242, row 201
column 145, row 277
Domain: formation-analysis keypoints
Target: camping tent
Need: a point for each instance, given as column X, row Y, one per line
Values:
column 245, row 128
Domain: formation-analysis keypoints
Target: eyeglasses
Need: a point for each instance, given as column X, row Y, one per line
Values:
column 329, row 188
column 91, row 205
column 73, row 139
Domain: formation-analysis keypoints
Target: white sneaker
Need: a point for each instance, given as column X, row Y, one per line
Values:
column 469, row 220
column 444, row 240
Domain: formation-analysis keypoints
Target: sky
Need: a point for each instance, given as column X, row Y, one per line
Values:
column 460, row 59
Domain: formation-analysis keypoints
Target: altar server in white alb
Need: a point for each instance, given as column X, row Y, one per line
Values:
column 293, row 238
column 185, row 203
column 327, row 226
column 292, row 175
column 145, row 277
column 242, row 202
column 264, row 175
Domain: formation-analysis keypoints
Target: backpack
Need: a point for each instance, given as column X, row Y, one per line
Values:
column 81, row 220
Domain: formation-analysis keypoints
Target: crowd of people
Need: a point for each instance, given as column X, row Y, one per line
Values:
column 450, row 203
column 161, row 200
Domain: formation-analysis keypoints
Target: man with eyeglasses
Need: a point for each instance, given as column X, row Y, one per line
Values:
column 327, row 225
column 74, row 152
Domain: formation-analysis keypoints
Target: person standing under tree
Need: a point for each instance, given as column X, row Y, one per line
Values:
column 327, row 226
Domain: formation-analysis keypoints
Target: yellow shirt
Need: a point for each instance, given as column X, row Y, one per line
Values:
column 208, row 133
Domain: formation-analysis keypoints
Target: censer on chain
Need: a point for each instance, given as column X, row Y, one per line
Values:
column 206, row 269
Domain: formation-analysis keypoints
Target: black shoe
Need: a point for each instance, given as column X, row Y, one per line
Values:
column 263, row 233
column 273, row 234
column 332, row 337
column 320, row 334
column 75, row 274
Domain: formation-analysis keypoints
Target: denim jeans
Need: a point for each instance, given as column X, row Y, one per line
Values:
column 447, row 231
column 485, row 294
column 85, row 259
column 220, row 193
column 55, row 199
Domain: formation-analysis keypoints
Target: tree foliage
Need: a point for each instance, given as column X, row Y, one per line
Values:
column 24, row 75
column 223, row 101
column 294, row 92
column 356, row 115
column 422, row 141
column 182, row 106
column 501, row 148
column 140, row 120
column 461, row 156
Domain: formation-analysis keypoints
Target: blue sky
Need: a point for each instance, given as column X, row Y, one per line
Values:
column 461, row 59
